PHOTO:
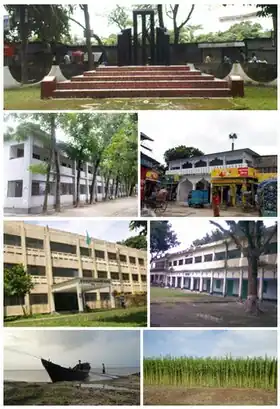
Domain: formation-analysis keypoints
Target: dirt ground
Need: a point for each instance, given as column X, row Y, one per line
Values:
column 175, row 209
column 65, row 393
column 197, row 310
column 164, row 395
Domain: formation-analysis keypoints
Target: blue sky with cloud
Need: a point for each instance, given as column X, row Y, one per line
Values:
column 201, row 343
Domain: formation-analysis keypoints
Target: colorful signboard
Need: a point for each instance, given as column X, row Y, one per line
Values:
column 152, row 175
column 234, row 173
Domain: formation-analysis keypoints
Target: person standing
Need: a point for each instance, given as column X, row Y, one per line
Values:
column 103, row 369
column 216, row 203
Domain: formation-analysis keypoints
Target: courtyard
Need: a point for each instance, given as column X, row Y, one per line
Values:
column 179, row 308
column 176, row 209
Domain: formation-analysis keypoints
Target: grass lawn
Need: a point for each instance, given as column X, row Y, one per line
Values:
column 159, row 294
column 130, row 317
column 256, row 98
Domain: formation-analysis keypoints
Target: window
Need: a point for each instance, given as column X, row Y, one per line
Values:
column 34, row 243
column 220, row 256
column 64, row 272
column 99, row 189
column 169, row 263
column 125, row 277
column 104, row 296
column 198, row 259
column 143, row 278
column 181, row 262
column 83, row 189
column 234, row 254
column 87, row 273
column 218, row 284
column 175, row 167
column 159, row 265
column 208, row 257
column 13, row 300
column 85, row 251
column 114, row 276
column 135, row 277
column 102, row 274
column 265, row 286
column 234, row 161
column 112, row 256
column 38, row 299
column 38, row 188
column 14, row 188
column 20, row 153
column 141, row 261
column 175, row 263
column 36, row 270
column 123, row 258
column 271, row 248
column 132, row 260
column 66, row 189
column 12, row 240
column 90, row 297
column 99, row 254
column 35, row 156
column 62, row 248
column 188, row 260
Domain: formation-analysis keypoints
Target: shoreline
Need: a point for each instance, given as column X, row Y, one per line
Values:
column 124, row 390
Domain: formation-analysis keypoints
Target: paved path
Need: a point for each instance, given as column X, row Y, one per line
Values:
column 122, row 207
column 178, row 210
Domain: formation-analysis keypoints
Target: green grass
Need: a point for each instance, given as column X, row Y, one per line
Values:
column 130, row 317
column 212, row 372
column 162, row 293
column 28, row 98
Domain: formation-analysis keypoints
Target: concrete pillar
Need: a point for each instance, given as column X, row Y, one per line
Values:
column 94, row 273
column 166, row 281
column 98, row 298
column 225, row 285
column 176, row 282
column 139, row 274
column 240, row 284
column 211, row 283
column 112, row 298
column 192, row 283
column 24, row 260
column 261, row 284
column 201, row 284
column 182, row 282
column 80, row 298
column 78, row 251
column 49, row 272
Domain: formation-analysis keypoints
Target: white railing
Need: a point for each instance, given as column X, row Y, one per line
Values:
column 202, row 171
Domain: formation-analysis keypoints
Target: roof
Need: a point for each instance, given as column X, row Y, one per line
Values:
column 148, row 158
column 145, row 137
column 247, row 150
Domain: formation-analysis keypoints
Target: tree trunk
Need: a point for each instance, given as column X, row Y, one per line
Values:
column 107, row 186
column 176, row 35
column 56, row 163
column 24, row 44
column 160, row 15
column 47, row 187
column 251, row 304
column 117, row 186
column 77, row 204
column 91, row 190
column 88, row 37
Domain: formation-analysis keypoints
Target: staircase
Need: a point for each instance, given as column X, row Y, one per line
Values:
column 143, row 82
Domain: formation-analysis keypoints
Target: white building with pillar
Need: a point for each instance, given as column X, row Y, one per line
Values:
column 24, row 190
column 204, row 269
column 195, row 172
column 68, row 274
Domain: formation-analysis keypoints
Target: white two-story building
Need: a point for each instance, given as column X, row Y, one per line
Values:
column 205, row 269
column 195, row 173
column 24, row 190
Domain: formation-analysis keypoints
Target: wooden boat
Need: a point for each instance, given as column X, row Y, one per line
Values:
column 59, row 373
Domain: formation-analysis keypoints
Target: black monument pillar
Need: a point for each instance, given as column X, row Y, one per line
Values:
column 124, row 47
column 144, row 14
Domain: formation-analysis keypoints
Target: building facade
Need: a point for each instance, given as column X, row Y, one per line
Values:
column 204, row 269
column 195, row 173
column 24, row 190
column 68, row 274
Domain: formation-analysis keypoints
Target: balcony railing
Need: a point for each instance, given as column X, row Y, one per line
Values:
column 206, row 170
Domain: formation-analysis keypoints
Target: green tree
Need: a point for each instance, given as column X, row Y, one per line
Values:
column 137, row 242
column 181, row 152
column 119, row 16
column 172, row 12
column 46, row 22
column 139, row 225
column 162, row 238
column 257, row 238
column 270, row 10
column 17, row 283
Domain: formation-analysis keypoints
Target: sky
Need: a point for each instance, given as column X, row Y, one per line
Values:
column 188, row 230
column 114, row 348
column 209, row 130
column 216, row 343
column 206, row 15
column 108, row 230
